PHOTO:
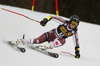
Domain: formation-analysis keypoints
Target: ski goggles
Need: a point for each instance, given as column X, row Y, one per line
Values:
column 74, row 23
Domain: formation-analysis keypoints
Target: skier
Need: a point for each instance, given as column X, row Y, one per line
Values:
column 56, row 37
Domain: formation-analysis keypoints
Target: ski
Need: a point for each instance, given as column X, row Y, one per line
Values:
column 16, row 47
column 55, row 55
column 36, row 48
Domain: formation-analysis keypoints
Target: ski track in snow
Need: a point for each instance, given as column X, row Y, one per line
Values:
column 13, row 26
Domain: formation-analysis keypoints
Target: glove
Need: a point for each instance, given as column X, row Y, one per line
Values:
column 77, row 54
column 45, row 20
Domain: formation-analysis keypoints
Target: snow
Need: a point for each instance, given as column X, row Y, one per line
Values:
column 13, row 26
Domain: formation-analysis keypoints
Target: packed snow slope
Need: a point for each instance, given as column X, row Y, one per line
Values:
column 13, row 26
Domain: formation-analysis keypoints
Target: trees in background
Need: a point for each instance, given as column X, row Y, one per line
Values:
column 87, row 10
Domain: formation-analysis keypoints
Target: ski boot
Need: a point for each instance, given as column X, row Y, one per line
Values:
column 45, row 46
column 18, row 42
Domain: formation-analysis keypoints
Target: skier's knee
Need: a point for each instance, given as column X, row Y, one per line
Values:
column 47, row 36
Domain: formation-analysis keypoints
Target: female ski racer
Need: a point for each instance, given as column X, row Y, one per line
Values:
column 56, row 37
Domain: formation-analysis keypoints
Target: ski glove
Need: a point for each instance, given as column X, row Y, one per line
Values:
column 45, row 20
column 77, row 54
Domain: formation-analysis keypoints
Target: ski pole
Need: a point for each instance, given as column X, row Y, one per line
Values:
column 20, row 14
column 67, row 53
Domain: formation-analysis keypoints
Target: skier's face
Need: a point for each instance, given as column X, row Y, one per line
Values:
column 72, row 26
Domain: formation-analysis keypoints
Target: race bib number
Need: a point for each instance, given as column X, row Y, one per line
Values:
column 65, row 31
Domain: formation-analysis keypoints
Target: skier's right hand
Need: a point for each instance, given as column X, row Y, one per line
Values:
column 45, row 20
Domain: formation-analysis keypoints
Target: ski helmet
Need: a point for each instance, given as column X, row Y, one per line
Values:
column 74, row 19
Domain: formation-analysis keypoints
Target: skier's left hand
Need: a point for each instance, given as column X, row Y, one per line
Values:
column 77, row 54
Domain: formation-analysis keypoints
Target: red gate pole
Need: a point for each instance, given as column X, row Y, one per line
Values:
column 33, row 5
column 57, row 13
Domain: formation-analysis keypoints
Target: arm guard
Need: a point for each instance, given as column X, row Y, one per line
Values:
column 75, row 38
